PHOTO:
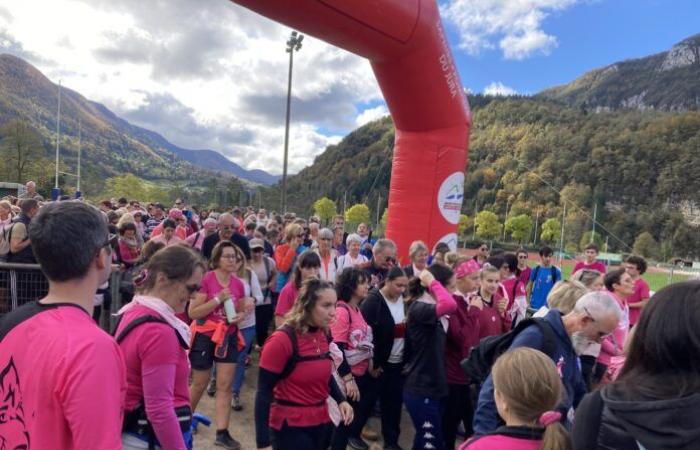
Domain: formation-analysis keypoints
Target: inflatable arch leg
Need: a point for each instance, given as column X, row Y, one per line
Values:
column 406, row 45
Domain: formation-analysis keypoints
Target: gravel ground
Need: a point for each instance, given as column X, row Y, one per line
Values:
column 242, row 423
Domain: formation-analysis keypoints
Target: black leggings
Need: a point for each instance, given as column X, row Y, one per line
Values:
column 308, row 438
column 458, row 408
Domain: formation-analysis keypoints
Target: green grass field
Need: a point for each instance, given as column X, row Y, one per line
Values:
column 656, row 280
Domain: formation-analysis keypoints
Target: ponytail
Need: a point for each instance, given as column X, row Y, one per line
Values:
column 442, row 274
column 556, row 437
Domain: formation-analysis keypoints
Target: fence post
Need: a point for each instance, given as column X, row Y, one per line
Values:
column 114, row 278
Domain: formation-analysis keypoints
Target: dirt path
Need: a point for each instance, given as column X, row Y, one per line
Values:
column 242, row 423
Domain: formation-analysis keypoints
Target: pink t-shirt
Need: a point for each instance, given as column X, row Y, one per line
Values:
column 62, row 383
column 285, row 301
column 498, row 442
column 349, row 321
column 641, row 291
column 596, row 265
column 157, row 371
column 211, row 288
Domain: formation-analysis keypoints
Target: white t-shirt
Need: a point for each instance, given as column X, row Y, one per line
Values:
column 399, row 315
column 252, row 289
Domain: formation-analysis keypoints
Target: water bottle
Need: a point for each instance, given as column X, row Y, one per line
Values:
column 230, row 309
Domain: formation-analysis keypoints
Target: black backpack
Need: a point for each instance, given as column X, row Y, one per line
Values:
column 481, row 358
column 140, row 321
column 296, row 358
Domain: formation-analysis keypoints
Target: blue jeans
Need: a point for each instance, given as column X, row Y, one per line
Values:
column 249, row 336
column 426, row 415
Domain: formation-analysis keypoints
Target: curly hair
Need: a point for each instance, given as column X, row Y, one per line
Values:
column 299, row 317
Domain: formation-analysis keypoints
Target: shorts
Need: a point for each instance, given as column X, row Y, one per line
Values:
column 202, row 355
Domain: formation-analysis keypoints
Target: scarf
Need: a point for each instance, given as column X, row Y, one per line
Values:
column 163, row 309
column 133, row 243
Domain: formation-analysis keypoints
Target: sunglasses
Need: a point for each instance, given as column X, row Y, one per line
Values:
column 192, row 288
column 257, row 250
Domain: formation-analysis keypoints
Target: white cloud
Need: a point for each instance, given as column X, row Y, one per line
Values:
column 203, row 74
column 371, row 114
column 498, row 88
column 515, row 24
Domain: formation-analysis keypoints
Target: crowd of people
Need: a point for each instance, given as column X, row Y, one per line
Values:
column 483, row 352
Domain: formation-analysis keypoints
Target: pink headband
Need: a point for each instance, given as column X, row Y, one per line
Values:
column 467, row 268
column 550, row 417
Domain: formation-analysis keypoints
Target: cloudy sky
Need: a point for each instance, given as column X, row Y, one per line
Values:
column 210, row 74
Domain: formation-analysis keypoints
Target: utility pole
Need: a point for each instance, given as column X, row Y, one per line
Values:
column 506, row 219
column 77, row 192
column 56, row 192
column 561, row 240
column 595, row 215
column 293, row 44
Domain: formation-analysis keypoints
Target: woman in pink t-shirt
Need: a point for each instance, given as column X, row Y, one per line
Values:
column 620, row 285
column 307, row 266
column 216, row 335
column 353, row 336
column 168, row 237
column 155, row 343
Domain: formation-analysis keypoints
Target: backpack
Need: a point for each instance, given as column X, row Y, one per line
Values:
column 551, row 268
column 296, row 358
column 140, row 321
column 482, row 356
column 5, row 237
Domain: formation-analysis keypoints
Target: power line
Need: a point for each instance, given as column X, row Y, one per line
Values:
column 551, row 186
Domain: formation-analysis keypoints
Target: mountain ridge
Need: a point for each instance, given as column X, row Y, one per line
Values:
column 27, row 93
column 666, row 81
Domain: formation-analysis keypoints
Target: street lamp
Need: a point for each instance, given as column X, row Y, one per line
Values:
column 293, row 44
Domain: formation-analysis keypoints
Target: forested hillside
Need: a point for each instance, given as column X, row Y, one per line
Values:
column 641, row 168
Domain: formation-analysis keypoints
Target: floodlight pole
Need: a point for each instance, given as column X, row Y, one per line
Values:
column 293, row 44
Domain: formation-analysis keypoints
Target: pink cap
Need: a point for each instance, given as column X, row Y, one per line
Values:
column 175, row 214
column 467, row 268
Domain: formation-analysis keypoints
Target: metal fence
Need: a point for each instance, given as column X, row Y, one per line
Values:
column 25, row 283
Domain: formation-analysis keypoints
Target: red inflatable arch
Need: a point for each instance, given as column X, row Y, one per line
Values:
column 406, row 46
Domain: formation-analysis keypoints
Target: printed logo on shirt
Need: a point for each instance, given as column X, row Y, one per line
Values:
column 560, row 367
column 450, row 197
column 13, row 432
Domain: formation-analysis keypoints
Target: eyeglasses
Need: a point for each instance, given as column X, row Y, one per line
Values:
column 325, row 239
column 192, row 288
column 226, row 227
column 257, row 250
column 231, row 258
column 522, row 257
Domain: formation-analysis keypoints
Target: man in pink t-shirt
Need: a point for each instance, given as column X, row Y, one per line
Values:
column 62, row 379
column 635, row 267
column 591, row 252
